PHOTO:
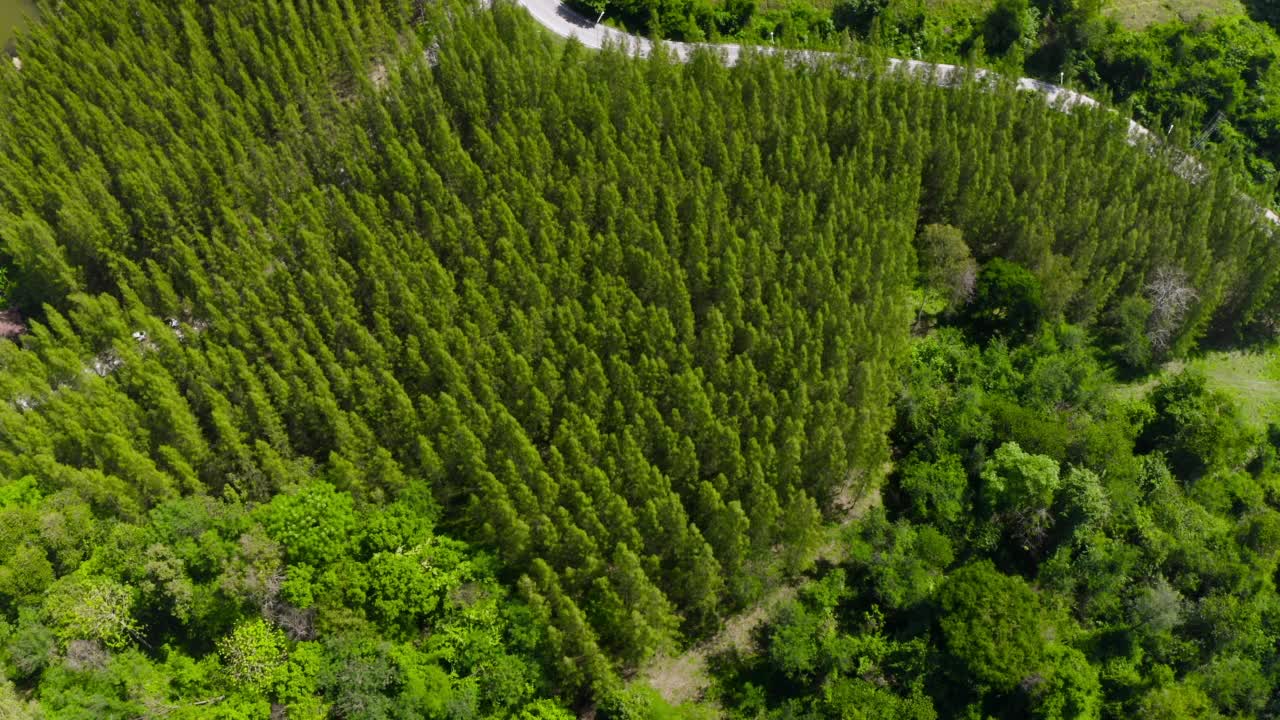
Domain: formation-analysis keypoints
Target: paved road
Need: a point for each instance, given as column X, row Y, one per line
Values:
column 565, row 22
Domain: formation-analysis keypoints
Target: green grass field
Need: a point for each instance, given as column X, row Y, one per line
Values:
column 1137, row 14
column 1252, row 378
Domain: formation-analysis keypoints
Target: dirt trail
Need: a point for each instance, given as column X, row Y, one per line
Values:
column 683, row 678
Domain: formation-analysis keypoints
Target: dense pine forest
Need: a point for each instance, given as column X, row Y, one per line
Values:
column 398, row 360
column 1203, row 72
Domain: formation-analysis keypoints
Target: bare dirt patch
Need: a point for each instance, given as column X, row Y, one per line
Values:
column 11, row 324
column 378, row 75
column 683, row 678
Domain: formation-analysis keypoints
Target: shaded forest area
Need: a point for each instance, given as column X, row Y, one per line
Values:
column 389, row 360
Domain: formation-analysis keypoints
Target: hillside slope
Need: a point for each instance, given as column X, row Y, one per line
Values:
column 319, row 292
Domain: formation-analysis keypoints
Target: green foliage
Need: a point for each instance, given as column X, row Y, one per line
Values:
column 804, row 643
column 1084, row 500
column 867, row 700
column 947, row 267
column 1112, row 572
column 1019, row 481
column 25, row 575
column 1158, row 608
column 253, row 654
column 831, row 669
column 408, row 586
column 1071, row 690
column 440, row 369
column 1233, row 70
column 1128, row 333
column 1198, row 428
column 1237, row 685
column 904, row 562
column 1007, row 302
column 544, row 710
column 991, row 624
column 207, row 567
column 96, row 609
column 856, row 15
column 1010, row 23
column 937, row 489
column 1177, row 702
column 1176, row 73
column 315, row 523
column 638, row 702
column 15, row 707
column 1019, row 488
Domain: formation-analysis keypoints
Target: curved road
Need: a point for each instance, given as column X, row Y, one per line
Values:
column 566, row 22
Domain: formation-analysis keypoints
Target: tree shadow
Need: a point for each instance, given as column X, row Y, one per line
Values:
column 1267, row 11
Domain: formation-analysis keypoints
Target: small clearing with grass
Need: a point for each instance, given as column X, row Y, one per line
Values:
column 1139, row 14
column 1252, row 378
